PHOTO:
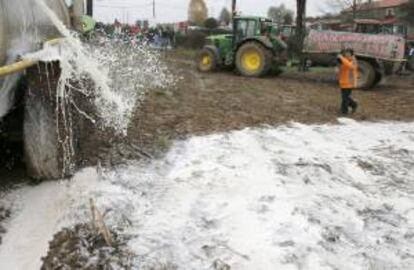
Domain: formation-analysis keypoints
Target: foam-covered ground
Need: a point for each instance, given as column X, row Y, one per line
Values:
column 291, row 197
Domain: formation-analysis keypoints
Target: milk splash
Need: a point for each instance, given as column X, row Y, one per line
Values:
column 113, row 76
column 120, row 74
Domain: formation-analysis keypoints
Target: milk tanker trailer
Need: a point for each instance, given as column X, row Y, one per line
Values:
column 25, row 26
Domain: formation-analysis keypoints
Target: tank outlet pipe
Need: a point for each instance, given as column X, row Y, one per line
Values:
column 21, row 65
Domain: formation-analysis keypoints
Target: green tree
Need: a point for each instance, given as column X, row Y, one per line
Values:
column 197, row 12
column 211, row 23
column 225, row 17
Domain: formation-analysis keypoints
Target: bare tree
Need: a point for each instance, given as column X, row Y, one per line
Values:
column 197, row 12
column 288, row 18
column 225, row 17
column 280, row 13
column 352, row 5
column 408, row 15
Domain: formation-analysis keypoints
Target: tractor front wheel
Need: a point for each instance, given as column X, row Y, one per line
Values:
column 206, row 61
column 253, row 60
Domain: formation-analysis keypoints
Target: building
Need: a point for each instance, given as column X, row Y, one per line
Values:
column 383, row 15
column 335, row 24
column 378, row 9
column 181, row 27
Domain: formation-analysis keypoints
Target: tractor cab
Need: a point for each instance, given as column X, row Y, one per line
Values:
column 245, row 27
column 264, row 29
column 369, row 26
column 286, row 32
column 252, row 47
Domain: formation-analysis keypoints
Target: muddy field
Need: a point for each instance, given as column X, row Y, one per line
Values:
column 208, row 103
column 290, row 197
column 202, row 104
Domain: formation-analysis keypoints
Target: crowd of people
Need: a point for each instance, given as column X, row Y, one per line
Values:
column 159, row 37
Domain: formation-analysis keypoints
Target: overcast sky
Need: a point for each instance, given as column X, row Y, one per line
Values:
column 176, row 10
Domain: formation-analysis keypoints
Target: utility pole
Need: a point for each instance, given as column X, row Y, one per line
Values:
column 153, row 9
column 89, row 7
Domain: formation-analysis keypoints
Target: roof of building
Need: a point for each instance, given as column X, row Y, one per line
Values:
column 379, row 4
column 367, row 21
column 390, row 21
column 326, row 21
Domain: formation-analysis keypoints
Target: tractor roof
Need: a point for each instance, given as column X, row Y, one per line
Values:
column 264, row 19
column 221, row 36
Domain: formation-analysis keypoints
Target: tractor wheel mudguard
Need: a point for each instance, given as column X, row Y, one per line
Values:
column 262, row 40
column 216, row 52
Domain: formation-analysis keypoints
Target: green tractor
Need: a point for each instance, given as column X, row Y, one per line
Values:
column 253, row 48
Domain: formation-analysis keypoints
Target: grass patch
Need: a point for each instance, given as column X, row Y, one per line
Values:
column 163, row 142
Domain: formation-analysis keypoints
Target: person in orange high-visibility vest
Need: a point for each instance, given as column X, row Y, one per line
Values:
column 348, row 78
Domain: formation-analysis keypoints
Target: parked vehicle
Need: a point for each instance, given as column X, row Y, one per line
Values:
column 252, row 48
column 378, row 55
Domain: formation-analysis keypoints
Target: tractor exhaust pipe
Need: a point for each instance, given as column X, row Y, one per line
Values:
column 233, row 15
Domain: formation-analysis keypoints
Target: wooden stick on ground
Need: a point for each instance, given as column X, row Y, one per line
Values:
column 100, row 225
column 92, row 204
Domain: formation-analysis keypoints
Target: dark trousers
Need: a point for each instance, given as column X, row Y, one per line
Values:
column 347, row 101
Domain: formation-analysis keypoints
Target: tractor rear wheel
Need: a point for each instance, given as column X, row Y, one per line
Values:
column 366, row 75
column 378, row 77
column 410, row 63
column 206, row 61
column 48, row 134
column 253, row 60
